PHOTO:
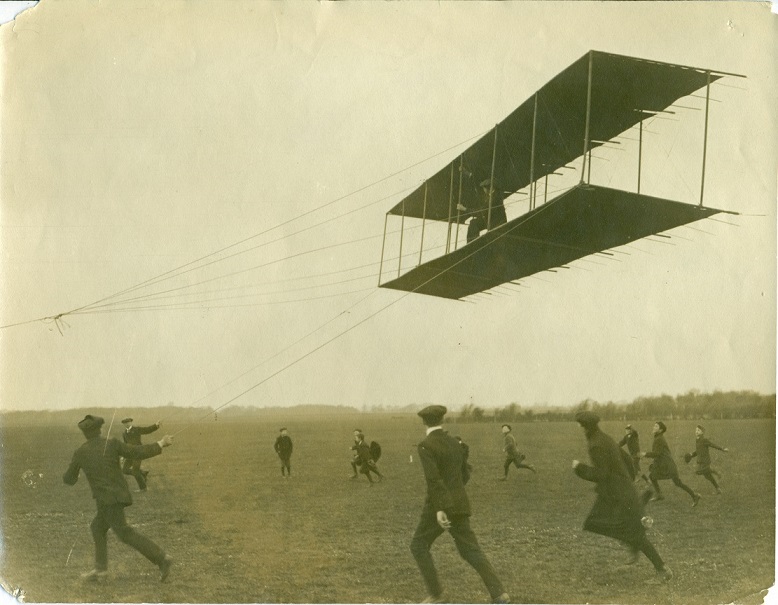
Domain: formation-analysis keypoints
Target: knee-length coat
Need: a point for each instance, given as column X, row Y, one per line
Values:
column 663, row 466
column 617, row 511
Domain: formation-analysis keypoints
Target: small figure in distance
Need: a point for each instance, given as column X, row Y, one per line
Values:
column 99, row 459
column 632, row 440
column 663, row 466
column 618, row 509
column 283, row 447
column 702, row 453
column 447, row 508
column 131, row 436
column 512, row 454
column 363, row 458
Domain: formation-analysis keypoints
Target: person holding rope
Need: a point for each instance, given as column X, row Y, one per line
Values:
column 131, row 436
column 99, row 459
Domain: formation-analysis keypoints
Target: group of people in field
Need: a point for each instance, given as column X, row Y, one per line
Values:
column 363, row 456
column 618, row 511
column 663, row 466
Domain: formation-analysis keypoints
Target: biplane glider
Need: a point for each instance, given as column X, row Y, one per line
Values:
column 586, row 106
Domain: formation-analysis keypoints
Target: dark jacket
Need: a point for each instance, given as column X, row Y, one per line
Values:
column 99, row 459
column 510, row 445
column 702, row 452
column 617, row 510
column 283, row 446
column 445, row 470
column 632, row 441
column 663, row 466
column 132, row 434
column 362, row 452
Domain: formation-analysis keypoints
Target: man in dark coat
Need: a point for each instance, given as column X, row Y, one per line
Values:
column 99, row 459
column 663, row 466
column 702, row 453
column 632, row 440
column 512, row 453
column 447, row 508
column 618, row 509
column 131, row 436
column 283, row 447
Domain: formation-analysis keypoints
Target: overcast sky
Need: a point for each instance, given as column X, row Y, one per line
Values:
column 140, row 136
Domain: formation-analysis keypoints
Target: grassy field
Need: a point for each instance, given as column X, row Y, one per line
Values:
column 240, row 533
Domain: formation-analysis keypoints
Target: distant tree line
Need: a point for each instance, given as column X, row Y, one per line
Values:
column 691, row 405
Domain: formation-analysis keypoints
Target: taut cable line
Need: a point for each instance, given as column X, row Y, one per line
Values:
column 233, row 255
column 201, row 306
column 174, row 271
column 153, row 296
column 288, row 347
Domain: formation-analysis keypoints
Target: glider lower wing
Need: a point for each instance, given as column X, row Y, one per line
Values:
column 586, row 220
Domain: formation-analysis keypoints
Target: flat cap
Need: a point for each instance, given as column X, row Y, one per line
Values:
column 91, row 423
column 586, row 418
column 433, row 411
column 126, row 420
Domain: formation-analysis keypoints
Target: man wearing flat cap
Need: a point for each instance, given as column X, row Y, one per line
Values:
column 99, row 459
column 618, row 510
column 131, row 436
column 447, row 508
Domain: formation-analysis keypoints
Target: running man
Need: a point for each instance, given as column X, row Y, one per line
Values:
column 632, row 441
column 512, row 454
column 447, row 509
column 618, row 509
column 702, row 453
column 99, row 457
column 363, row 458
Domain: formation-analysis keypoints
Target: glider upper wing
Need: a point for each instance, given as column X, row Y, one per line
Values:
column 624, row 90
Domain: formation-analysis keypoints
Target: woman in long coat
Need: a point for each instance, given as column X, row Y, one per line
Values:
column 663, row 466
column 618, row 509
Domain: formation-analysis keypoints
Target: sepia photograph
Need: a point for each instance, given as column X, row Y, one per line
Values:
column 388, row 302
